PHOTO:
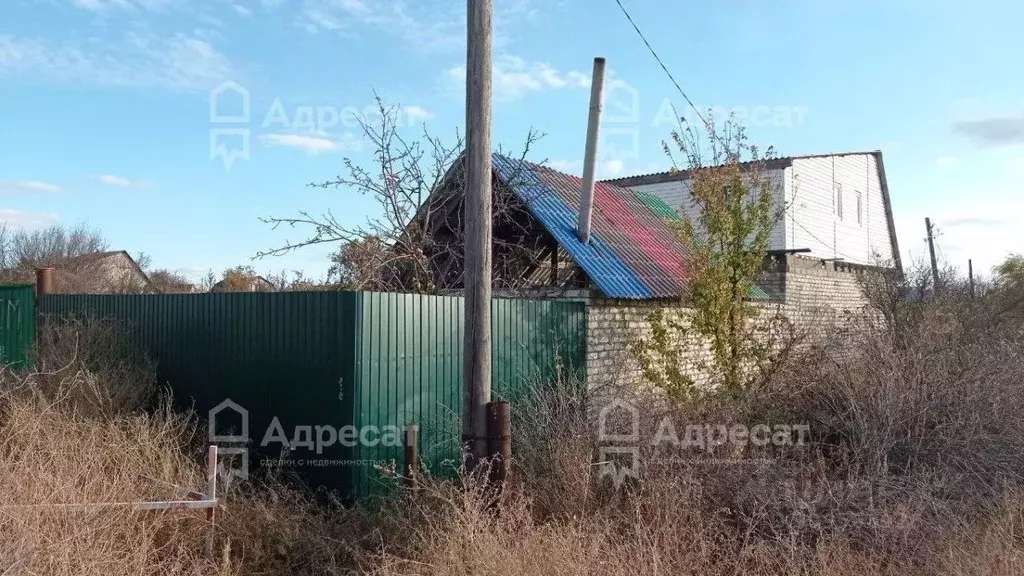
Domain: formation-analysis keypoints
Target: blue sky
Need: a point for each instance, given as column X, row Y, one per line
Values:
column 106, row 117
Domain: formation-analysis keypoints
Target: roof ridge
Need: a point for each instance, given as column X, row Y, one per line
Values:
column 681, row 174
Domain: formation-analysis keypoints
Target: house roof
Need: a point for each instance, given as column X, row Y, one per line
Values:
column 778, row 164
column 92, row 258
column 68, row 274
column 679, row 175
column 634, row 251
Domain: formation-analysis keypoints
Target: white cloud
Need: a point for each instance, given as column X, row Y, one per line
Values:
column 1015, row 166
column 103, row 6
column 514, row 77
column 19, row 219
column 180, row 61
column 439, row 26
column 312, row 144
column 242, row 11
column 892, row 147
column 946, row 161
column 29, row 186
column 416, row 113
column 983, row 226
column 423, row 27
column 121, row 182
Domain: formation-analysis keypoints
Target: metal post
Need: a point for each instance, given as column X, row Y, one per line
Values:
column 44, row 281
column 211, row 494
column 590, row 152
column 476, row 372
column 412, row 456
column 499, row 441
column 931, row 252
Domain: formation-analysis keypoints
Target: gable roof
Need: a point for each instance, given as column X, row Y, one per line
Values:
column 93, row 258
column 634, row 251
column 72, row 274
column 769, row 164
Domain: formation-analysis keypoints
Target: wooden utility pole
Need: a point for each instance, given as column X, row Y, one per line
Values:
column 931, row 253
column 476, row 370
column 970, row 275
column 499, row 442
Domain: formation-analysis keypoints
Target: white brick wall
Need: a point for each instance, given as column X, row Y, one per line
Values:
column 819, row 299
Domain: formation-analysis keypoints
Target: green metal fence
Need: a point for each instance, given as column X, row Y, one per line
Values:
column 409, row 367
column 306, row 366
column 17, row 325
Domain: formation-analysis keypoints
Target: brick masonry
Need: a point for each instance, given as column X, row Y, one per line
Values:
column 817, row 297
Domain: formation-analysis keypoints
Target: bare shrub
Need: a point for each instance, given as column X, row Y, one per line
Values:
column 92, row 363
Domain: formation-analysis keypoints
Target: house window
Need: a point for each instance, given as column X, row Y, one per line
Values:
column 839, row 201
column 860, row 209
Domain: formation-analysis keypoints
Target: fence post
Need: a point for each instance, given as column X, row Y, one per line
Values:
column 412, row 456
column 211, row 494
column 44, row 281
column 499, row 441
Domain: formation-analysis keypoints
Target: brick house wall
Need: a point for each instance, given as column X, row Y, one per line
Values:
column 817, row 297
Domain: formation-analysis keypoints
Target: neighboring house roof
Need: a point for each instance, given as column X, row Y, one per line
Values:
column 634, row 252
column 256, row 284
column 778, row 164
column 73, row 273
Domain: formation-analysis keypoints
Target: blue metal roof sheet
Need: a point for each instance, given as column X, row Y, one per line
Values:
column 634, row 251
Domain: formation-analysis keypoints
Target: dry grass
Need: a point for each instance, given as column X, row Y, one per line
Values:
column 76, row 433
column 915, row 465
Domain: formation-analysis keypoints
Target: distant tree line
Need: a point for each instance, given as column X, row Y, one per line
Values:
column 67, row 249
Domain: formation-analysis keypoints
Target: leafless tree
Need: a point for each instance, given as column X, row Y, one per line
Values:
column 167, row 282
column 52, row 245
column 414, row 241
column 22, row 251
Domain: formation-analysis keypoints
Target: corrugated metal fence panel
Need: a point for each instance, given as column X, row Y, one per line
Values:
column 17, row 324
column 536, row 341
column 368, row 360
column 284, row 355
column 409, row 363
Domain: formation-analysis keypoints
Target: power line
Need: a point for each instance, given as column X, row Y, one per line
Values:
column 708, row 124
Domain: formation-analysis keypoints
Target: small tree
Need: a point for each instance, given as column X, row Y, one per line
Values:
column 728, row 231
column 1009, row 286
column 166, row 281
column 413, row 241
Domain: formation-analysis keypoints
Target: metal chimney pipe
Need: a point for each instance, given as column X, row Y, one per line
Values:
column 44, row 281
column 590, row 154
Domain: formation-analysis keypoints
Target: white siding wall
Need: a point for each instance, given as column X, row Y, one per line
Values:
column 677, row 194
column 809, row 189
column 814, row 219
